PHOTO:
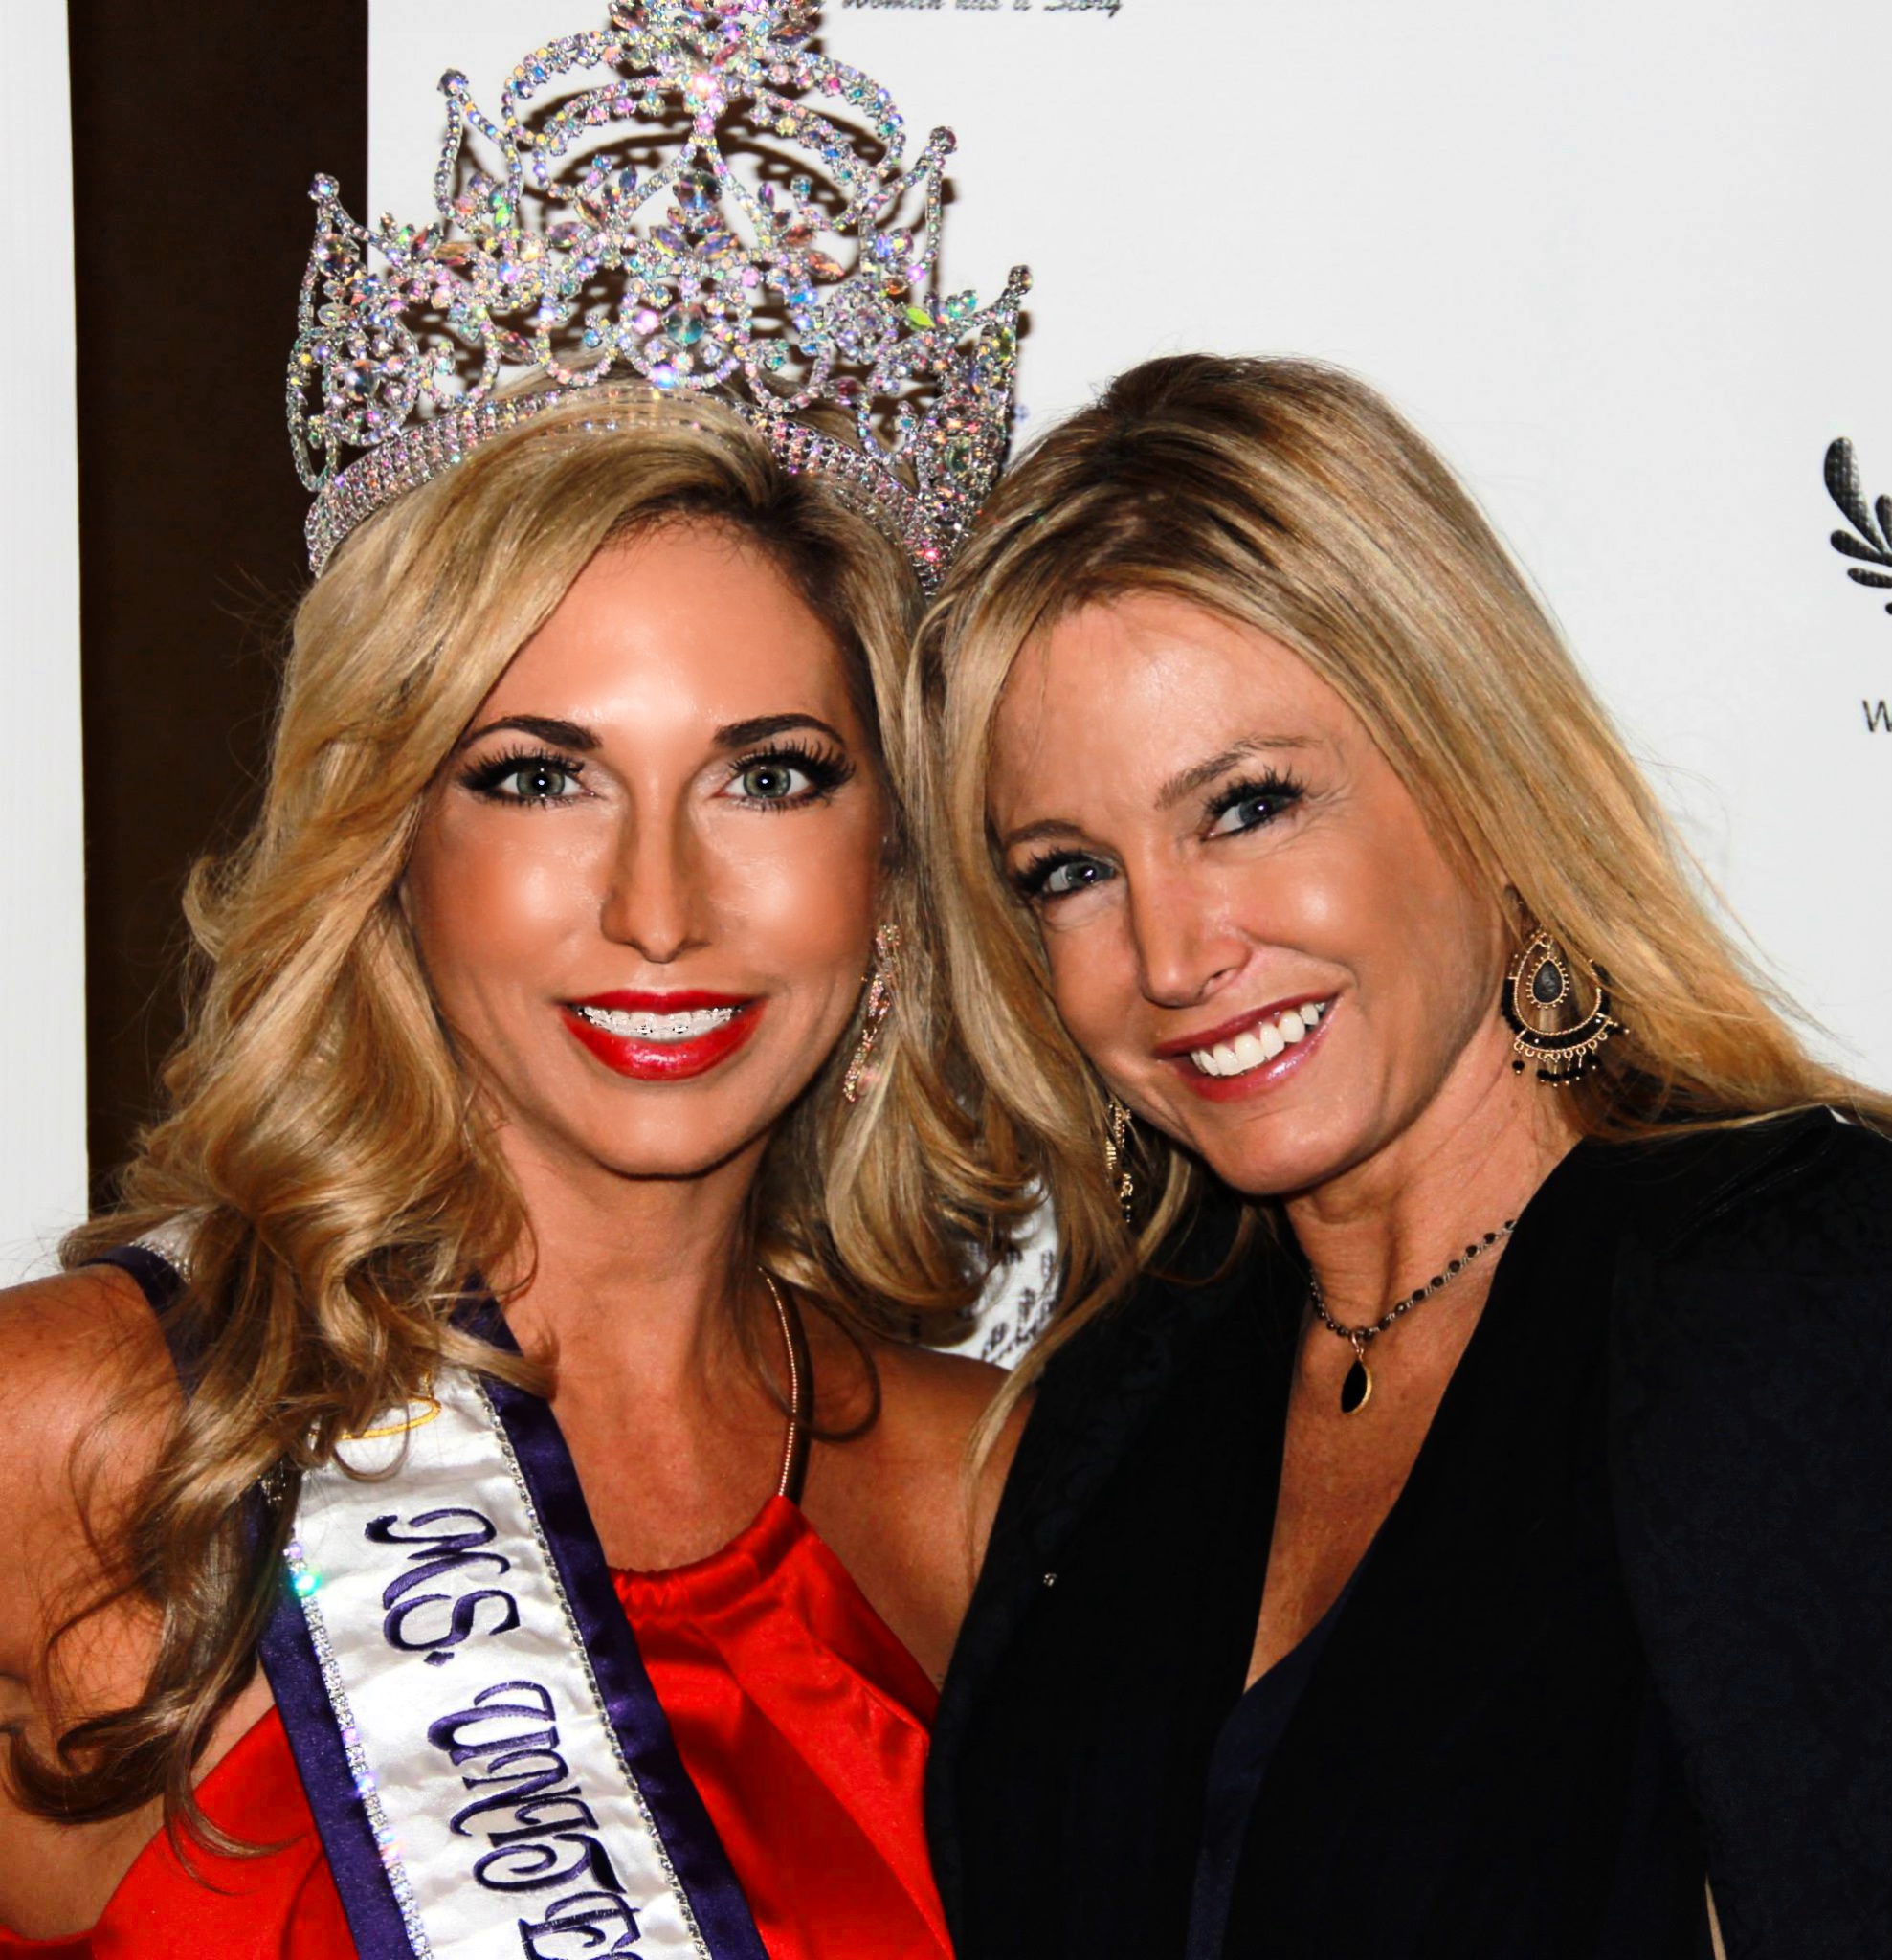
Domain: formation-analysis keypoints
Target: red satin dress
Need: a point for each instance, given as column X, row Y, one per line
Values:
column 801, row 1718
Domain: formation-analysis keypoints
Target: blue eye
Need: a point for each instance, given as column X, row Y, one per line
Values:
column 1248, row 805
column 1060, row 876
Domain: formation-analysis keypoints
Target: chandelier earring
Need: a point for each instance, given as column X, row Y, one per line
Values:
column 1543, row 1003
column 881, row 980
column 1116, row 1156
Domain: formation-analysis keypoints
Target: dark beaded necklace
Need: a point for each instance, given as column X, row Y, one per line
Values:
column 1357, row 1390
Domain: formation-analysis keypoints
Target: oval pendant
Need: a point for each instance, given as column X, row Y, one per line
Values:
column 1357, row 1390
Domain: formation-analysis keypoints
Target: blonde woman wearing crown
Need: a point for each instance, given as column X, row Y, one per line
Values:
column 1473, row 1535
column 495, row 1339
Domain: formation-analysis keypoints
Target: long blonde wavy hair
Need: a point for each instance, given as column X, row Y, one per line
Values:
column 341, row 1178
column 1287, row 496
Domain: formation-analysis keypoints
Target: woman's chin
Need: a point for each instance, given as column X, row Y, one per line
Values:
column 1277, row 1157
column 673, row 1146
column 680, row 1153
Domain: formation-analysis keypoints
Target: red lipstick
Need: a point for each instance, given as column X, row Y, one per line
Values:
column 704, row 1029
column 1254, row 1082
column 1185, row 1045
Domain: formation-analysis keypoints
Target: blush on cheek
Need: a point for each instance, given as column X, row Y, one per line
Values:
column 804, row 881
column 488, row 889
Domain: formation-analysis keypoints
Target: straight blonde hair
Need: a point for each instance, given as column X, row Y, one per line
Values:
column 1288, row 497
column 342, row 1181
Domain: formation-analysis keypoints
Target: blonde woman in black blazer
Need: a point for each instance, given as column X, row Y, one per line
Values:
column 1456, row 1515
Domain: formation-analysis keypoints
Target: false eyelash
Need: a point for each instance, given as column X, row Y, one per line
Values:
column 826, row 771
column 1029, row 880
column 484, row 778
column 1286, row 789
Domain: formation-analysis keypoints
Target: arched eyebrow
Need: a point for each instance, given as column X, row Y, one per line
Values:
column 1180, row 786
column 575, row 735
column 760, row 727
column 1185, row 783
column 545, row 727
column 1031, row 833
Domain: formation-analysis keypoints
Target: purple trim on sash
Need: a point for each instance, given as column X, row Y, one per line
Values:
column 155, row 1274
column 161, row 1283
column 643, row 1730
column 348, row 1838
column 288, row 1657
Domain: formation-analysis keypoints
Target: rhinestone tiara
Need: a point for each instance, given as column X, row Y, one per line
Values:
column 598, row 228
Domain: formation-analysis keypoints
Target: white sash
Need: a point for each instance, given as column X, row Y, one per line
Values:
column 487, row 1788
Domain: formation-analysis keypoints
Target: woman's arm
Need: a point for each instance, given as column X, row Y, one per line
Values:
column 85, row 1391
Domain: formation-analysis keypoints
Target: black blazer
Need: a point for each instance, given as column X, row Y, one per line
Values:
column 1629, row 1625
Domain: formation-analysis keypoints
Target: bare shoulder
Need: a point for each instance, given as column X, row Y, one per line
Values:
column 904, row 1500
column 937, row 1396
column 61, row 1320
column 933, row 1404
column 75, row 1350
column 85, row 1394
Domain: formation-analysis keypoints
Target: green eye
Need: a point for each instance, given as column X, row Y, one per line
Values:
column 540, row 782
column 518, row 778
column 771, row 782
column 786, row 776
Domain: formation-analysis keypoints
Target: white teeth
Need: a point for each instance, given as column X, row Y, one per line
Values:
column 688, row 1026
column 1250, row 1050
column 1259, row 1043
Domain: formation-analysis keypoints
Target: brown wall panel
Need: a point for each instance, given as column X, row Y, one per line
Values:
column 195, row 131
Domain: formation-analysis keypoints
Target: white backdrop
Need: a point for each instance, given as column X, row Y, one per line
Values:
column 42, row 864
column 1624, row 263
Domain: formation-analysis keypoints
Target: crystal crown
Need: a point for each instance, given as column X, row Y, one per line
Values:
column 608, row 233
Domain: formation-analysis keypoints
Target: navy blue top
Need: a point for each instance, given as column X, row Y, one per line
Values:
column 1244, row 1750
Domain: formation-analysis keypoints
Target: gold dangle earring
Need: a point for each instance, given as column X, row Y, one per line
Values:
column 1116, row 1156
column 882, row 980
column 1549, row 1024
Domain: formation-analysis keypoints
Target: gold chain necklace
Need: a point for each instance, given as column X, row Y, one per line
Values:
column 1356, row 1390
column 794, row 1342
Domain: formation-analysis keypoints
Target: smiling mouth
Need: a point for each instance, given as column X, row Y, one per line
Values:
column 686, row 1024
column 651, row 1038
column 1256, row 1046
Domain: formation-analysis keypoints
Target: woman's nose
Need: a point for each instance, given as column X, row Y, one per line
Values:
column 657, row 899
column 1185, row 944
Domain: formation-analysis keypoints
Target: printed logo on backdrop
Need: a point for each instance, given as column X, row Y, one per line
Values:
column 1869, row 541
